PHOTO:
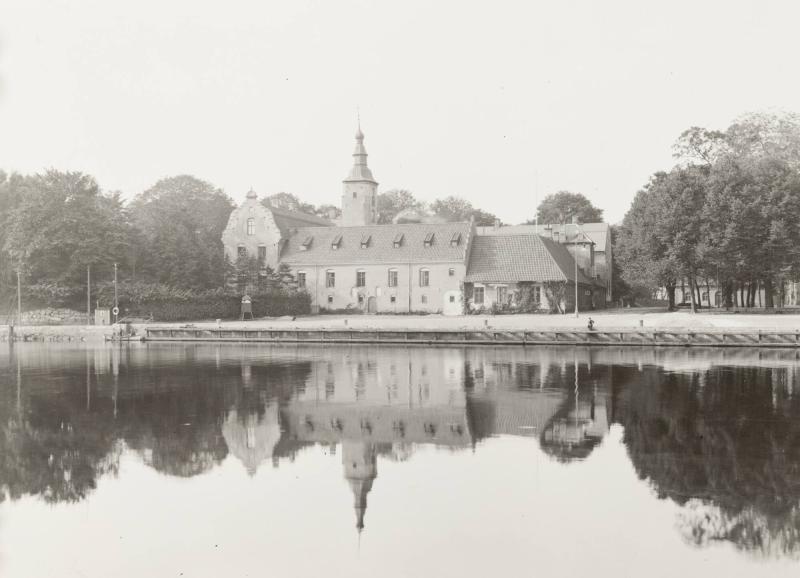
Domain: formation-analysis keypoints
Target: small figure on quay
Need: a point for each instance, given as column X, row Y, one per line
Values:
column 591, row 324
column 247, row 306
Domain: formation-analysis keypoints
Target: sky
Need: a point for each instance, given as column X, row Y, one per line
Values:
column 498, row 102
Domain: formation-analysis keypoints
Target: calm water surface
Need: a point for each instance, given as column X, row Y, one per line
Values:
column 249, row 460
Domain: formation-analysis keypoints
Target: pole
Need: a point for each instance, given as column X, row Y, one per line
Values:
column 576, row 275
column 19, row 299
column 88, row 294
column 116, row 305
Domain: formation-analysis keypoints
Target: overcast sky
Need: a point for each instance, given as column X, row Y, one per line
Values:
column 492, row 101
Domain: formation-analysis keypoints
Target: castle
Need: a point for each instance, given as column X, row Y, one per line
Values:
column 426, row 267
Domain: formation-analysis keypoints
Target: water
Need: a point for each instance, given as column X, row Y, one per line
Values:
column 251, row 460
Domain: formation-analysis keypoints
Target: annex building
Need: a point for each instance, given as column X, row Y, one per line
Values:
column 423, row 267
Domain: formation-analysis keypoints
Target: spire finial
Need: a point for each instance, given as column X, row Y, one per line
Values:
column 359, row 134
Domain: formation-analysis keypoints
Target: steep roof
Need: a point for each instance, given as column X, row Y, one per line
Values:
column 514, row 258
column 287, row 220
column 596, row 232
column 380, row 244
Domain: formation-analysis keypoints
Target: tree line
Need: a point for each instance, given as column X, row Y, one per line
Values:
column 728, row 213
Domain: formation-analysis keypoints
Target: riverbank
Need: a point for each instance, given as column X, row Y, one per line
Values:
column 646, row 319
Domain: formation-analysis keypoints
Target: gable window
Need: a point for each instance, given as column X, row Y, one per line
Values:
column 242, row 251
column 251, row 226
column 428, row 240
column 361, row 278
column 301, row 279
column 392, row 282
column 424, row 277
column 398, row 240
column 330, row 279
column 477, row 296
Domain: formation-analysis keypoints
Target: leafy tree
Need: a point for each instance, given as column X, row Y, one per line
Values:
column 456, row 209
column 63, row 223
column 698, row 144
column 288, row 202
column 181, row 220
column 563, row 206
column 328, row 212
column 393, row 202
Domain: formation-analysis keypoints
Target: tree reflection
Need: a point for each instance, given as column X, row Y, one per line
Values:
column 725, row 444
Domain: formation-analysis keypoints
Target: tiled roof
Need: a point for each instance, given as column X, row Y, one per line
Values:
column 513, row 258
column 380, row 247
column 287, row 220
column 597, row 232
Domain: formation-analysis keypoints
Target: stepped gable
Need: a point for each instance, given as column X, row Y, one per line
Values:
column 313, row 245
column 513, row 258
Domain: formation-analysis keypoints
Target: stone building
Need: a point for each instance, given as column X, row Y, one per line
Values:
column 420, row 266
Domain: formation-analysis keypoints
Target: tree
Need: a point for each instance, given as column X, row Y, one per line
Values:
column 181, row 220
column 563, row 206
column 394, row 201
column 698, row 144
column 63, row 223
column 288, row 202
column 456, row 209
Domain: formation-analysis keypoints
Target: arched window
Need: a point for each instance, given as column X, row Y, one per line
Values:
column 251, row 226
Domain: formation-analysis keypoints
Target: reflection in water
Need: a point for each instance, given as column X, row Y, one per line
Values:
column 720, row 436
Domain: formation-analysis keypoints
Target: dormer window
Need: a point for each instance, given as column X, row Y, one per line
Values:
column 428, row 240
column 398, row 240
column 365, row 241
column 336, row 243
column 455, row 239
column 306, row 244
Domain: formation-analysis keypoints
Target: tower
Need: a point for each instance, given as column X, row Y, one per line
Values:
column 360, row 190
column 360, row 469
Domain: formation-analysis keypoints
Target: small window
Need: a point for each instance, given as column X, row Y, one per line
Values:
column 424, row 277
column 365, row 241
column 251, row 226
column 452, row 298
column 361, row 278
column 428, row 240
column 392, row 282
column 360, row 299
column 336, row 243
column 398, row 240
column 330, row 279
column 451, row 272
column 262, row 254
column 424, row 299
column 477, row 296
column 455, row 240
column 306, row 244
column 392, row 299
column 330, row 299
column 355, row 195
column 242, row 251
column 301, row 279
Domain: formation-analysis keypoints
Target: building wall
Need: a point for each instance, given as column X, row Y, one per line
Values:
column 266, row 232
column 359, row 204
column 345, row 294
column 586, row 303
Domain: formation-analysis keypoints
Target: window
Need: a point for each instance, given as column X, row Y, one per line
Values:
column 452, row 298
column 301, row 279
column 398, row 240
column 392, row 299
column 242, row 251
column 262, row 254
column 330, row 299
column 251, row 226
column 424, row 277
column 537, row 294
column 477, row 296
column 337, row 241
column 455, row 239
column 361, row 278
column 330, row 279
column 360, row 299
column 705, row 297
column 424, row 299
column 428, row 240
column 306, row 244
column 392, row 278
column 502, row 294
column 451, row 272
column 365, row 241
column 355, row 195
